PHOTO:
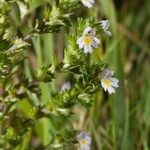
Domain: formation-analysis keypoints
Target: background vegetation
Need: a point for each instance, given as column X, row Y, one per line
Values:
column 118, row 122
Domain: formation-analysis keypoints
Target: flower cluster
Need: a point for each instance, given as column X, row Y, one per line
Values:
column 87, row 42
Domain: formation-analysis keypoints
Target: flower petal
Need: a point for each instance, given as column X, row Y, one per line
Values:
column 95, row 42
column 87, row 49
column 87, row 147
column 114, row 80
column 86, row 4
column 104, row 24
column 92, row 1
column 111, row 90
column 88, row 138
column 80, row 40
column 89, row 30
column 114, row 84
column 111, row 73
column 81, row 45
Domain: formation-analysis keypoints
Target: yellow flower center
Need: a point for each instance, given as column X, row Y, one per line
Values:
column 107, row 82
column 88, row 40
column 84, row 142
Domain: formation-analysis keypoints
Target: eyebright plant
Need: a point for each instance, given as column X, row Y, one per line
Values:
column 24, row 118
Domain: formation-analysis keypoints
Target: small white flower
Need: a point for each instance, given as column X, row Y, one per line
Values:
column 108, row 82
column 88, row 41
column 66, row 86
column 105, row 25
column 84, row 140
column 88, row 3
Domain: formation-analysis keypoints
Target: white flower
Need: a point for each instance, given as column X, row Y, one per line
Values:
column 84, row 140
column 108, row 82
column 105, row 25
column 88, row 40
column 66, row 86
column 88, row 3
